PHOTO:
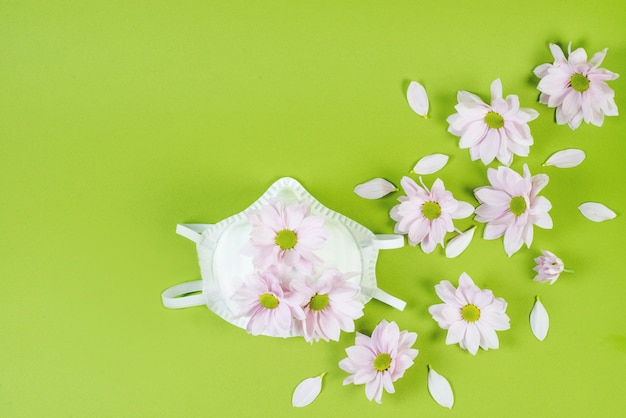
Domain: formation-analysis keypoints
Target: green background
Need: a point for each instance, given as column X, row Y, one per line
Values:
column 119, row 119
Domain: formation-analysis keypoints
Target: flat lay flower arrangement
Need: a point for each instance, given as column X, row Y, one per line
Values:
column 290, row 291
column 510, row 206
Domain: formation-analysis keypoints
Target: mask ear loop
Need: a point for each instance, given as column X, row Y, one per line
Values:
column 191, row 231
column 187, row 294
column 387, row 242
column 183, row 295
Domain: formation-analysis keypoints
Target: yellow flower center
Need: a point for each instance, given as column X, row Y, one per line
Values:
column 286, row 239
column 579, row 82
column 431, row 210
column 470, row 313
column 268, row 301
column 318, row 302
column 517, row 205
column 382, row 362
column 494, row 120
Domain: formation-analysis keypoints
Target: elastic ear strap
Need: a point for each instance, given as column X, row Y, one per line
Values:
column 191, row 231
column 174, row 297
column 385, row 297
column 388, row 241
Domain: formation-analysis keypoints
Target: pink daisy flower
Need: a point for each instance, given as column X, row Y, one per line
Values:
column 426, row 215
column 271, row 309
column 510, row 206
column 330, row 305
column 492, row 131
column 380, row 360
column 576, row 87
column 471, row 315
column 286, row 235
column 549, row 267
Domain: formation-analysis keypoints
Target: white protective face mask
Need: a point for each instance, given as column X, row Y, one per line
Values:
column 349, row 248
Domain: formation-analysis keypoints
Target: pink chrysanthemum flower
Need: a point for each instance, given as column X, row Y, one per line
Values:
column 270, row 307
column 426, row 215
column 471, row 315
column 577, row 87
column 380, row 360
column 549, row 267
column 510, row 207
column 286, row 235
column 330, row 305
column 492, row 131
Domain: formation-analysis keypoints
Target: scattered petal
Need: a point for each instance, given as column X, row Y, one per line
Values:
column 375, row 188
column 596, row 212
column 418, row 99
column 430, row 164
column 307, row 391
column 440, row 388
column 459, row 243
column 566, row 158
column 539, row 321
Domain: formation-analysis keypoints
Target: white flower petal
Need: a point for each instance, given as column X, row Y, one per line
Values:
column 459, row 243
column 539, row 321
column 418, row 100
column 430, row 164
column 375, row 188
column 440, row 388
column 307, row 391
column 566, row 158
column 596, row 212
column 464, row 210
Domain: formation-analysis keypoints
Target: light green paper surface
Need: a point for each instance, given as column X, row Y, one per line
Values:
column 120, row 119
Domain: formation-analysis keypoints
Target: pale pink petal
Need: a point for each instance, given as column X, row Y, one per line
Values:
column 539, row 321
column 463, row 210
column 496, row 89
column 472, row 338
column 417, row 98
column 307, row 391
column 566, row 158
column 459, row 243
column 596, row 212
column 494, row 231
column 375, row 188
column 440, row 389
column 488, row 337
column 430, row 164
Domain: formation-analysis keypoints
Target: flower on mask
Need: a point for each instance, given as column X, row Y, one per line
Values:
column 510, row 206
column 286, row 235
column 576, row 87
column 499, row 130
column 270, row 307
column 471, row 315
column 426, row 215
column 549, row 267
column 329, row 304
column 379, row 360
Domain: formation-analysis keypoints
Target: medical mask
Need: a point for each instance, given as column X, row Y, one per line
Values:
column 232, row 250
